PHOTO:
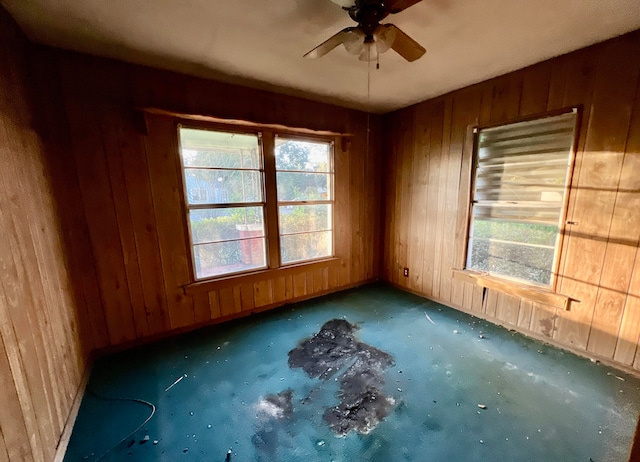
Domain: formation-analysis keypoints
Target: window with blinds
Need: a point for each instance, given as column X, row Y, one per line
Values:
column 518, row 204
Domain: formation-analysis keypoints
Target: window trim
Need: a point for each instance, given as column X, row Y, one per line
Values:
column 266, row 140
column 545, row 294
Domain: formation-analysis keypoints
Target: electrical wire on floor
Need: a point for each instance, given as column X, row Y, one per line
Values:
column 130, row 434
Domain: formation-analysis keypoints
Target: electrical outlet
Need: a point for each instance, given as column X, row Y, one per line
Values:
column 406, row 272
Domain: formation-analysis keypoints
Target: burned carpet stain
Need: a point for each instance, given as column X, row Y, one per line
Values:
column 335, row 349
column 272, row 411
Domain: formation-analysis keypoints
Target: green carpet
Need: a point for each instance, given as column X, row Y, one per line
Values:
column 393, row 378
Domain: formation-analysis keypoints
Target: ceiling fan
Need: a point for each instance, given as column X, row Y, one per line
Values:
column 369, row 37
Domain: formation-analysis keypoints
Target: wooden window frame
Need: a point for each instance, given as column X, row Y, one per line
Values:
column 266, row 135
column 525, row 289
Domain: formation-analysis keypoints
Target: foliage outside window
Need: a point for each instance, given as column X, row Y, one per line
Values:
column 518, row 204
column 224, row 192
column 305, row 199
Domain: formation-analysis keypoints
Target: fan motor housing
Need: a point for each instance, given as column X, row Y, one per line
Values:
column 368, row 14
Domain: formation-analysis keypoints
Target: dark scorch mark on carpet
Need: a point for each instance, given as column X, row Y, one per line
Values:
column 335, row 350
column 271, row 412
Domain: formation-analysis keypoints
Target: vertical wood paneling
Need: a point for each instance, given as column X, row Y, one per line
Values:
column 167, row 203
column 390, row 166
column 61, row 166
column 227, row 302
column 535, row 89
column 430, row 270
column 214, row 305
column 624, row 233
column 110, row 137
column 627, row 214
column 599, row 259
column 138, row 187
column 613, row 94
column 13, row 423
column 404, row 188
column 99, row 209
column 201, row 308
column 420, row 203
column 451, row 176
column 42, row 309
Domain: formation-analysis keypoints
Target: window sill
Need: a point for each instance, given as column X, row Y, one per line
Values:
column 209, row 285
column 536, row 294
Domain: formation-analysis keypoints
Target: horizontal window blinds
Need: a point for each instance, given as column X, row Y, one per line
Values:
column 520, row 183
column 521, row 170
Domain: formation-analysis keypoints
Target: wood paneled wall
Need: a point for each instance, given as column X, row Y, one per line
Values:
column 43, row 306
column 129, row 183
column 427, row 152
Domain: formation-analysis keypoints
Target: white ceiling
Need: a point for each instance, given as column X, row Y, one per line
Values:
column 260, row 43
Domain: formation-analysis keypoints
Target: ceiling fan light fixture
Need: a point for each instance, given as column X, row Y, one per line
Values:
column 354, row 43
column 369, row 38
column 345, row 3
column 369, row 51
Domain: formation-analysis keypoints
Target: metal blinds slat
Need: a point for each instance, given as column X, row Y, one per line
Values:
column 532, row 138
column 532, row 159
column 529, row 170
column 550, row 124
column 520, row 196
column 545, row 138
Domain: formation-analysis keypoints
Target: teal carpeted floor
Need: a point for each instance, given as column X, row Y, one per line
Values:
column 437, row 385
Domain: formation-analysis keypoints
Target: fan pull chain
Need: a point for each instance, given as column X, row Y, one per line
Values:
column 368, row 105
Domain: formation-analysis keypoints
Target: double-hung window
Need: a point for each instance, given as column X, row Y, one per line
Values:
column 521, row 172
column 305, row 199
column 226, row 200
column 224, row 192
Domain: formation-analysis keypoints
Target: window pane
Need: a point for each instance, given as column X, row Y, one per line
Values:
column 304, row 218
column 302, row 155
column 512, row 260
column 229, row 257
column 303, row 186
column 222, row 186
column 215, row 225
column 307, row 246
column 529, row 233
column 206, row 148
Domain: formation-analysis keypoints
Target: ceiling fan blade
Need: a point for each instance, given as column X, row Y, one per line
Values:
column 384, row 36
column 396, row 6
column 404, row 45
column 328, row 45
